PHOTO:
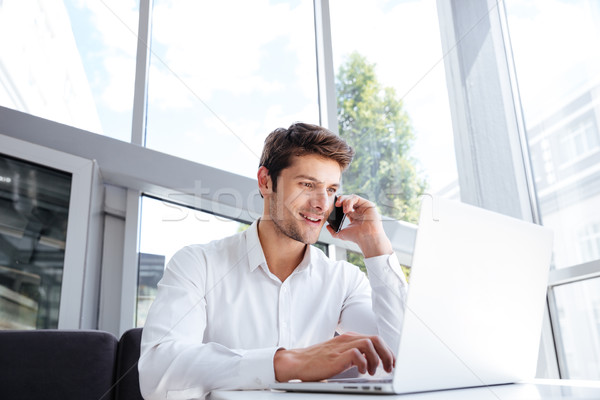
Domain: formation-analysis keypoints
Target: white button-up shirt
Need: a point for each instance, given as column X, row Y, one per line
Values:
column 220, row 315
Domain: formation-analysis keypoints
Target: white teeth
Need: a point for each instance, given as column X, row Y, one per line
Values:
column 311, row 219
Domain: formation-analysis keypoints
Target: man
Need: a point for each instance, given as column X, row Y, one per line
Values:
column 263, row 305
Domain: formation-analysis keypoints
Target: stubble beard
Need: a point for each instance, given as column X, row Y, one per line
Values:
column 286, row 228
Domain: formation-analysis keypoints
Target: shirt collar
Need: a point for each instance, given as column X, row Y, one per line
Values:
column 306, row 263
column 256, row 256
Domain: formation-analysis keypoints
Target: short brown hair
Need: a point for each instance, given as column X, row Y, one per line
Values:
column 301, row 139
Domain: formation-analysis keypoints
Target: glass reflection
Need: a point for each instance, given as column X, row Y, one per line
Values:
column 34, row 205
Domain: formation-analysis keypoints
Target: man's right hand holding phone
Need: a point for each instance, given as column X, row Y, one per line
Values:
column 365, row 228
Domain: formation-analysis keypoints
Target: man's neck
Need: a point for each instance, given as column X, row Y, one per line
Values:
column 283, row 254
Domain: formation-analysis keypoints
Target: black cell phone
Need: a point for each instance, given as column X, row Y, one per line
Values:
column 337, row 217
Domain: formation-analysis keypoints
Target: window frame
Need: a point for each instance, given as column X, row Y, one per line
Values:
column 82, row 242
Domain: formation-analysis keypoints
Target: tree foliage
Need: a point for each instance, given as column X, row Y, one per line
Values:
column 372, row 120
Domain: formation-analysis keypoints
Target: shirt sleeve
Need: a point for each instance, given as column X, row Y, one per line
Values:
column 377, row 306
column 174, row 362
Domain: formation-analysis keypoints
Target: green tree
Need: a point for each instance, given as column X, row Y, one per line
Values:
column 372, row 120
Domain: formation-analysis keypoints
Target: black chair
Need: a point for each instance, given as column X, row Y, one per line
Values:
column 127, row 377
column 57, row 364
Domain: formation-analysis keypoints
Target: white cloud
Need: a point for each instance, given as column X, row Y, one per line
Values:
column 116, row 22
column 167, row 91
column 118, row 90
column 220, row 45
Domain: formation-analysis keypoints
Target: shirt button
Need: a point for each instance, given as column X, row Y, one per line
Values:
column 284, row 324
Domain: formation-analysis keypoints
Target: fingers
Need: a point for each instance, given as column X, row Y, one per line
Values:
column 370, row 355
column 354, row 358
column 384, row 353
column 357, row 208
column 349, row 202
column 372, row 349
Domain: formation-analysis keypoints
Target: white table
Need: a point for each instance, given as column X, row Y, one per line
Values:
column 538, row 389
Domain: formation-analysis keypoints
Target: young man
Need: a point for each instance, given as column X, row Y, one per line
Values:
column 263, row 305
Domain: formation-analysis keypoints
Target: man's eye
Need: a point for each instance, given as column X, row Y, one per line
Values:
column 331, row 191
column 307, row 184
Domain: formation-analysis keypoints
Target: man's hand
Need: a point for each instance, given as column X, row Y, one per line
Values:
column 332, row 357
column 365, row 229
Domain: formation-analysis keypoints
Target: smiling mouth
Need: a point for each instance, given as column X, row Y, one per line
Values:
column 311, row 219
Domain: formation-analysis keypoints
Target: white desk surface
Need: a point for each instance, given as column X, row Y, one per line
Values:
column 538, row 389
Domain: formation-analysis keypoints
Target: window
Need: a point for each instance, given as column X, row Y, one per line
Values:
column 558, row 73
column 225, row 74
column 589, row 242
column 393, row 103
column 579, row 141
column 71, row 62
column 34, row 207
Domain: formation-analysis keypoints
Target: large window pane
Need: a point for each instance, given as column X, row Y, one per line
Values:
column 558, row 71
column 34, row 205
column 559, row 81
column 393, row 102
column 225, row 74
column 72, row 62
column 579, row 324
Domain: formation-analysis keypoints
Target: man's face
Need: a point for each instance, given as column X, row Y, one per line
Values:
column 304, row 197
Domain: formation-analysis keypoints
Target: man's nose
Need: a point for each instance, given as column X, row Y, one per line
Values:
column 320, row 199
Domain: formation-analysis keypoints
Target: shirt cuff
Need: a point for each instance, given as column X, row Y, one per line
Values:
column 383, row 268
column 258, row 364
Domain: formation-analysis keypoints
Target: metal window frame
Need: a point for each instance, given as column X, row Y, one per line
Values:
column 325, row 70
column 142, row 66
column 80, row 281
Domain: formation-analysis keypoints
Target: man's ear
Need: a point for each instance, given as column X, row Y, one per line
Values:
column 265, row 185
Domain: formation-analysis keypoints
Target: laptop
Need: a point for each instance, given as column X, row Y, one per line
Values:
column 474, row 308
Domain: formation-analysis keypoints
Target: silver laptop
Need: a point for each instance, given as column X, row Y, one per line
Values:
column 474, row 308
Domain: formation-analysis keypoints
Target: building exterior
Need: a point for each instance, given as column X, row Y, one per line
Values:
column 565, row 153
